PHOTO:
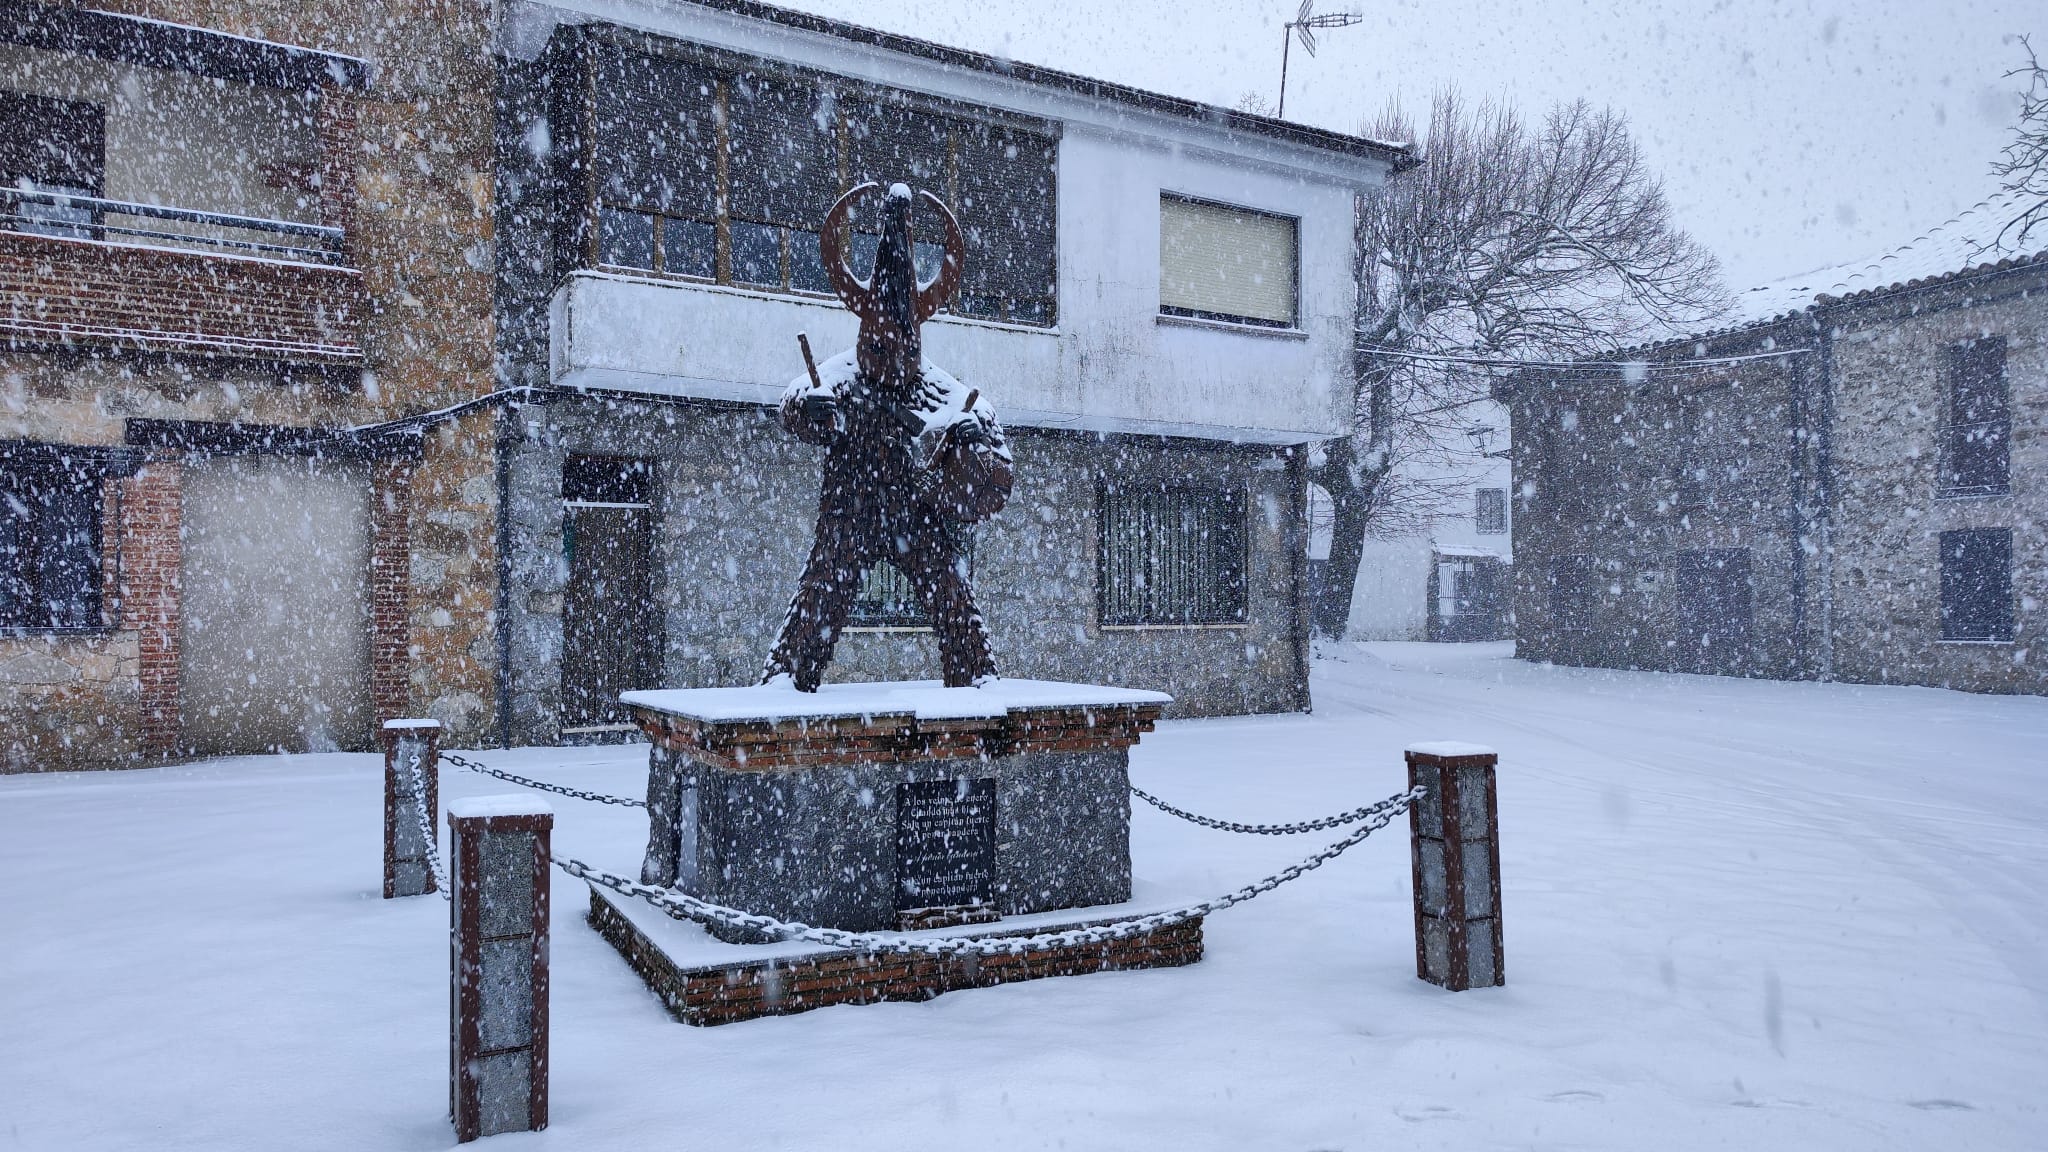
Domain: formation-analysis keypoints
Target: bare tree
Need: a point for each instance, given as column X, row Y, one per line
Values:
column 1507, row 242
column 2023, row 165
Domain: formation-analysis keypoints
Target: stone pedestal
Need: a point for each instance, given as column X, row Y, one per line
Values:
column 1455, row 845
column 498, row 965
column 407, row 871
column 882, row 807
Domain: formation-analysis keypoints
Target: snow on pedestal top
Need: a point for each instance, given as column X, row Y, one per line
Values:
column 1449, row 748
column 924, row 699
column 504, row 804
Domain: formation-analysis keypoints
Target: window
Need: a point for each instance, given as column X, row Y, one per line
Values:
column 887, row 600
column 1976, row 584
column 1173, row 556
column 49, row 549
column 1975, row 459
column 1710, row 449
column 1574, row 593
column 1222, row 263
column 1490, row 511
column 656, row 242
column 55, row 146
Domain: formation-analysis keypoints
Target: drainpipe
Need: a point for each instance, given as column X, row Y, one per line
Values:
column 1824, row 489
column 502, row 450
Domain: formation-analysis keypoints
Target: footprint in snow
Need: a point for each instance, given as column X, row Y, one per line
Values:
column 1941, row 1105
column 1417, row 1113
column 1576, row 1096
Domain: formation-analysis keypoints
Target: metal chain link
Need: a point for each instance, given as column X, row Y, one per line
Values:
column 419, row 808
column 557, row 789
column 685, row 907
column 1342, row 820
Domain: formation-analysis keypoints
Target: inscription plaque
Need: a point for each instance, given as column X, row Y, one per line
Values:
column 945, row 852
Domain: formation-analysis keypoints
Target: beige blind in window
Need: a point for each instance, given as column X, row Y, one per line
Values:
column 1226, row 262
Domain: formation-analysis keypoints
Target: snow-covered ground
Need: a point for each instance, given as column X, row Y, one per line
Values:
column 1739, row 915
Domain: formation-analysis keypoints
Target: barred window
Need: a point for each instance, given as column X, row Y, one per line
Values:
column 1490, row 510
column 887, row 600
column 1976, row 584
column 1976, row 455
column 49, row 549
column 1172, row 556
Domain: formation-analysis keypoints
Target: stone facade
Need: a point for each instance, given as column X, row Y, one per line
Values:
column 185, row 354
column 1781, row 514
column 735, row 497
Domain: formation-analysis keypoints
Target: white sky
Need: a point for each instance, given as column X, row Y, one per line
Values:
column 1791, row 136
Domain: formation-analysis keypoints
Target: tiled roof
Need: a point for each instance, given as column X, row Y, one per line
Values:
column 1985, row 236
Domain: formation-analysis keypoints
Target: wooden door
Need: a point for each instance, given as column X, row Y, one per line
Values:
column 1716, row 612
column 608, row 641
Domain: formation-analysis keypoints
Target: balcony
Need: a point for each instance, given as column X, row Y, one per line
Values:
column 171, row 189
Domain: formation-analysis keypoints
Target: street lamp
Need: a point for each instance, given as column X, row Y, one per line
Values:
column 1481, row 435
column 1303, row 25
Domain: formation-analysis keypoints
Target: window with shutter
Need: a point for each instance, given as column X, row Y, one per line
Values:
column 1976, row 584
column 1490, row 510
column 1976, row 460
column 1217, row 262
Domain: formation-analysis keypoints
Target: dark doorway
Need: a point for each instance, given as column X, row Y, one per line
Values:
column 1716, row 612
column 1465, row 601
column 608, row 632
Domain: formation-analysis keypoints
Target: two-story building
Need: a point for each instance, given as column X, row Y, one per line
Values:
column 221, row 248
column 1851, row 483
column 364, row 363
column 1158, row 299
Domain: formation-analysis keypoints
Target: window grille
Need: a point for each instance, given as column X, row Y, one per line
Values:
column 1976, row 584
column 887, row 600
column 1217, row 262
column 1172, row 556
column 1490, row 510
column 49, row 550
column 1976, row 444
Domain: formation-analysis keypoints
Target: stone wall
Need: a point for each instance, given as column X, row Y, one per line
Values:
column 1891, row 401
column 735, row 502
column 1839, row 501
column 1601, row 464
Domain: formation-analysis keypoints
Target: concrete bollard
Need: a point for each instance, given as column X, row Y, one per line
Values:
column 407, row 871
column 1454, row 842
column 498, row 965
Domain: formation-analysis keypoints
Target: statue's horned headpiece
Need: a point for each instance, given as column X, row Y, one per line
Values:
column 891, row 295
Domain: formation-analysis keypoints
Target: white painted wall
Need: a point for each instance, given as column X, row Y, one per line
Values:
column 1112, row 363
column 1392, row 598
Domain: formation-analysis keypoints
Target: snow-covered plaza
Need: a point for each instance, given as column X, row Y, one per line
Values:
column 1739, row 914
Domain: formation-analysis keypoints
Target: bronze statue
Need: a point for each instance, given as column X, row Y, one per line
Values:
column 910, row 456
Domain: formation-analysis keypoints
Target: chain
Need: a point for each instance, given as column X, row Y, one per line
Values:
column 1341, row 820
column 557, row 789
column 419, row 808
column 685, row 907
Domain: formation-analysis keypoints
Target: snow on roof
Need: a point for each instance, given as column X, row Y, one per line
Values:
column 1987, row 235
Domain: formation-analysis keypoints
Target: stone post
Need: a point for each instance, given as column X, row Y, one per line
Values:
column 498, row 965
column 1454, row 842
column 671, row 858
column 407, row 871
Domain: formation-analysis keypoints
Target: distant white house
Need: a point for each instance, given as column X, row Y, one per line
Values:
column 1450, row 580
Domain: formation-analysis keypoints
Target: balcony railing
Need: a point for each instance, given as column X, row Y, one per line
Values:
column 70, row 216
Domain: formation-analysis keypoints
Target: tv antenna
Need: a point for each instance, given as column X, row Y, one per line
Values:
column 1304, row 26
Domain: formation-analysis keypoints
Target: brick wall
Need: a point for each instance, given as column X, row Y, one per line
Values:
column 55, row 290
column 390, row 548
column 151, row 511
